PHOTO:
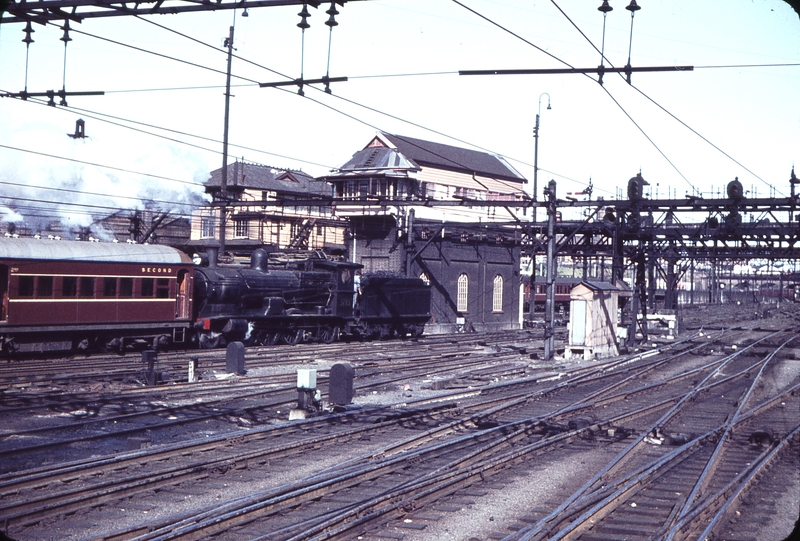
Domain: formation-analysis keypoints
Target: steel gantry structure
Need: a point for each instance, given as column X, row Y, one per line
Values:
column 43, row 11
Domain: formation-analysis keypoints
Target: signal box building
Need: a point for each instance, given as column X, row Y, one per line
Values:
column 420, row 208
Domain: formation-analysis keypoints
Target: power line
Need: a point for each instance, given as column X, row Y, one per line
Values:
column 223, row 51
column 103, row 117
column 115, row 196
column 161, row 55
column 672, row 115
column 111, row 167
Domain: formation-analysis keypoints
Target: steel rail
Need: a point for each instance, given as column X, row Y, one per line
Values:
column 633, row 480
column 741, row 486
column 427, row 450
column 354, row 466
column 536, row 530
column 67, row 501
column 533, row 530
column 713, row 461
column 419, row 490
column 424, row 368
column 434, row 478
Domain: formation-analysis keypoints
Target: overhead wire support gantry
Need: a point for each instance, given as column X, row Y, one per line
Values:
column 600, row 70
column 43, row 11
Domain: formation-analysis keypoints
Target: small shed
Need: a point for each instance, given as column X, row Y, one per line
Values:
column 593, row 319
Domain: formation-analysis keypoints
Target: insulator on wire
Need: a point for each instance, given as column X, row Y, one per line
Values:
column 304, row 15
column 65, row 38
column 605, row 8
column 28, row 31
column 333, row 13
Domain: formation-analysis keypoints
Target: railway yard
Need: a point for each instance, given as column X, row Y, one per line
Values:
column 461, row 437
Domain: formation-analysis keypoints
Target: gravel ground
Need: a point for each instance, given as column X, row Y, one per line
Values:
column 530, row 489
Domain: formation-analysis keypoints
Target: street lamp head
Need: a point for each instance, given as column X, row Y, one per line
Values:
column 605, row 8
column 540, row 100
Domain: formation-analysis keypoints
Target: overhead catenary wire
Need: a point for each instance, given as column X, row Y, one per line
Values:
column 619, row 105
column 103, row 117
column 82, row 192
column 574, row 25
column 334, row 109
column 110, row 167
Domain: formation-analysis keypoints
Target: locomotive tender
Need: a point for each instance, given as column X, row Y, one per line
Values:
column 61, row 295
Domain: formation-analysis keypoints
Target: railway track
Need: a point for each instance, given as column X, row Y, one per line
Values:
column 140, row 416
column 36, row 480
column 382, row 472
column 60, row 374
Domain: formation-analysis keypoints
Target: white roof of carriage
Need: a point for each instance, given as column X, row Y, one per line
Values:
column 102, row 252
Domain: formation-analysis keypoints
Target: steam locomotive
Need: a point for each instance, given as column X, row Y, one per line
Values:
column 287, row 300
column 62, row 295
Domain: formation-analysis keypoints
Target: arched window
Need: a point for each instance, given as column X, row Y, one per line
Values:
column 424, row 278
column 497, row 294
column 463, row 288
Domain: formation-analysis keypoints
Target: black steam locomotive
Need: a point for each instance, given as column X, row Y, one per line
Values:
column 284, row 299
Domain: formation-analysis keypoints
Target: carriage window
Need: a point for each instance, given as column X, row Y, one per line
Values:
column 26, row 286
column 87, row 286
column 126, row 287
column 44, row 287
column 69, row 286
column 109, row 287
column 162, row 288
column 147, row 287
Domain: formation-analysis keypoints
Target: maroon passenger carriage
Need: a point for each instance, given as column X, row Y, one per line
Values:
column 60, row 295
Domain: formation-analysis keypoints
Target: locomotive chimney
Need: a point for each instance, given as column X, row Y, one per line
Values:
column 212, row 252
column 259, row 260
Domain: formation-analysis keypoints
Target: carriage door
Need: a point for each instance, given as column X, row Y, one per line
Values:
column 182, row 298
column 4, row 293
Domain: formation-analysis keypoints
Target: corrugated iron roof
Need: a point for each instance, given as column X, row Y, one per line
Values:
column 601, row 286
column 244, row 175
column 454, row 158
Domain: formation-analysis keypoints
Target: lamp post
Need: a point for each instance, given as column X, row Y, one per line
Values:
column 536, row 151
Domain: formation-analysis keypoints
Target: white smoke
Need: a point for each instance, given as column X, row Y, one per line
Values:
column 41, row 193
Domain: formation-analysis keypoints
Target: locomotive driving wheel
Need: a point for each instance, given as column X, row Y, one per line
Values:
column 270, row 338
column 292, row 336
column 327, row 334
column 208, row 340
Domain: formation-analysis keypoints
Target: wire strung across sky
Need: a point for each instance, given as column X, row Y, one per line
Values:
column 372, row 109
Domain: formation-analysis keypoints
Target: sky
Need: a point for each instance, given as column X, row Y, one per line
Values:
column 736, row 115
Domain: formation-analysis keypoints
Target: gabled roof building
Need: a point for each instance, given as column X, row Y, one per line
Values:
column 395, row 167
column 462, row 247
column 268, row 206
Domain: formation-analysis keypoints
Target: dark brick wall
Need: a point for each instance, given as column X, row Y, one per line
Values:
column 444, row 260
